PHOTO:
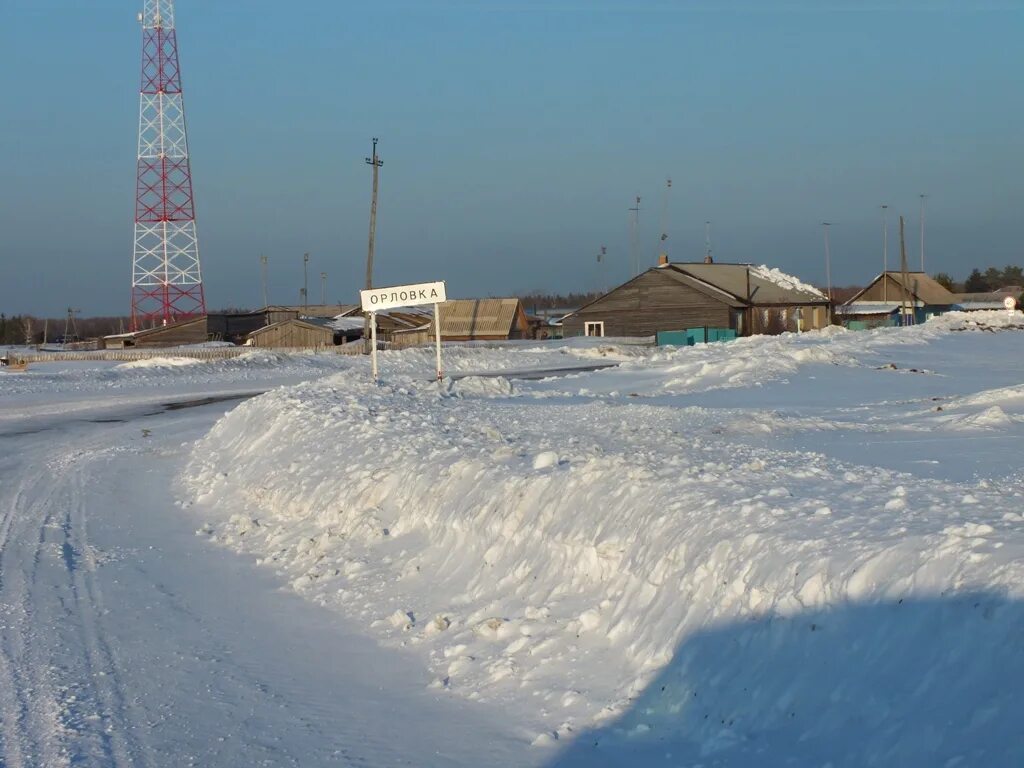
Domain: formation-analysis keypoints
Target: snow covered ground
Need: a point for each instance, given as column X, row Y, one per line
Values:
column 799, row 550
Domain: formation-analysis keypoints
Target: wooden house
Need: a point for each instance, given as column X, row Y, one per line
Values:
column 743, row 298
column 879, row 303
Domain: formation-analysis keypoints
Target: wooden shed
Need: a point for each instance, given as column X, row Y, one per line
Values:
column 292, row 333
column 743, row 298
column 192, row 331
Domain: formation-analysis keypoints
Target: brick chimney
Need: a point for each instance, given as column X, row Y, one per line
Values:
column 663, row 260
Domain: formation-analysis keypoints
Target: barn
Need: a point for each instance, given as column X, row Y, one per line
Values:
column 742, row 298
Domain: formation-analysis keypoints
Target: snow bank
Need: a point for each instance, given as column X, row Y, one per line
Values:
column 555, row 557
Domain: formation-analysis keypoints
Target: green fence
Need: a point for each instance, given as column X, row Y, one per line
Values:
column 692, row 336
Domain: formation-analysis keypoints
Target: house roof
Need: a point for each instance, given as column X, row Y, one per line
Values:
column 157, row 329
column 767, row 286
column 313, row 310
column 919, row 285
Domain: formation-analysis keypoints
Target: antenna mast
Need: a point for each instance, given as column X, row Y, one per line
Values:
column 664, row 219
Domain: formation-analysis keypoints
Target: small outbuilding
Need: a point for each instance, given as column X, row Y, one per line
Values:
column 292, row 333
column 742, row 298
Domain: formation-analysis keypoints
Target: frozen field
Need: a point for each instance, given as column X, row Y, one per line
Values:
column 799, row 550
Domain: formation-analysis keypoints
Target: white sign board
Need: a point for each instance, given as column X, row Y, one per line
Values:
column 1010, row 303
column 377, row 299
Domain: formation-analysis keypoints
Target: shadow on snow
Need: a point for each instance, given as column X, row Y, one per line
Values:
column 912, row 682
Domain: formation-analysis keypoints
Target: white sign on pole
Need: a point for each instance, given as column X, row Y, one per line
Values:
column 376, row 299
column 1010, row 303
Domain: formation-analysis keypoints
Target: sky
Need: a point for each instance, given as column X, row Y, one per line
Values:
column 515, row 136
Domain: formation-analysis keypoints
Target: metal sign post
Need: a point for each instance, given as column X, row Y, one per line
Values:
column 1011, row 304
column 375, row 300
column 373, row 345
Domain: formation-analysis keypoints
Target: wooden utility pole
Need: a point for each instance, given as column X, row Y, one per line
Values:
column 634, row 244
column 376, row 162
column 905, row 319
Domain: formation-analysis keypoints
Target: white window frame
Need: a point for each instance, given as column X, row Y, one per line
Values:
column 590, row 325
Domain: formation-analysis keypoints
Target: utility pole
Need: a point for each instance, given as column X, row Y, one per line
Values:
column 323, row 288
column 601, row 282
column 828, row 260
column 707, row 243
column 906, row 317
column 263, row 276
column 634, row 243
column 376, row 162
column 923, row 198
column 885, row 253
column 305, row 281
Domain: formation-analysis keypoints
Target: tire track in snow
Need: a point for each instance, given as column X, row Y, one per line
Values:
column 61, row 700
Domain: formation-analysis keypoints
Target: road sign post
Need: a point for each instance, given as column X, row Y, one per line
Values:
column 1011, row 304
column 375, row 300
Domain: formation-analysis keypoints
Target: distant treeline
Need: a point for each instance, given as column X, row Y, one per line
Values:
column 991, row 279
column 539, row 300
column 24, row 329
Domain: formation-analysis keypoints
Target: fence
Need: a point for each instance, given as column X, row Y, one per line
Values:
column 199, row 353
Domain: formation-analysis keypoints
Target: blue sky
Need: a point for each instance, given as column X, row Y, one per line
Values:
column 515, row 136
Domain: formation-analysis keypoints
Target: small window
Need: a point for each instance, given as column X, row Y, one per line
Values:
column 594, row 328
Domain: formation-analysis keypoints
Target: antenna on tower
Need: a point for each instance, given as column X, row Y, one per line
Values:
column 634, row 243
column 167, row 284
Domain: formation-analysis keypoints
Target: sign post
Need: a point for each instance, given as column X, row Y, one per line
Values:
column 373, row 345
column 1011, row 304
column 437, row 338
column 374, row 300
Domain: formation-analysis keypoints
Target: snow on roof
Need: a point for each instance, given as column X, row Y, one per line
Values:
column 342, row 323
column 780, row 278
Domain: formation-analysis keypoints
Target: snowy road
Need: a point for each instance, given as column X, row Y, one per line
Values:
column 125, row 640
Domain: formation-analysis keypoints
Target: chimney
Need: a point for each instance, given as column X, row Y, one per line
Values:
column 708, row 259
column 663, row 260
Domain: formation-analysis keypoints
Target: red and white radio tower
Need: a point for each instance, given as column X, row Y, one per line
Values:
column 167, row 285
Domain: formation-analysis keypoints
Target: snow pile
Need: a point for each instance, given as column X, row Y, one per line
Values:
column 159, row 362
column 602, row 564
column 780, row 278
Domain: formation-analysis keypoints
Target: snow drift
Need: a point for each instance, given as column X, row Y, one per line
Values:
column 603, row 565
